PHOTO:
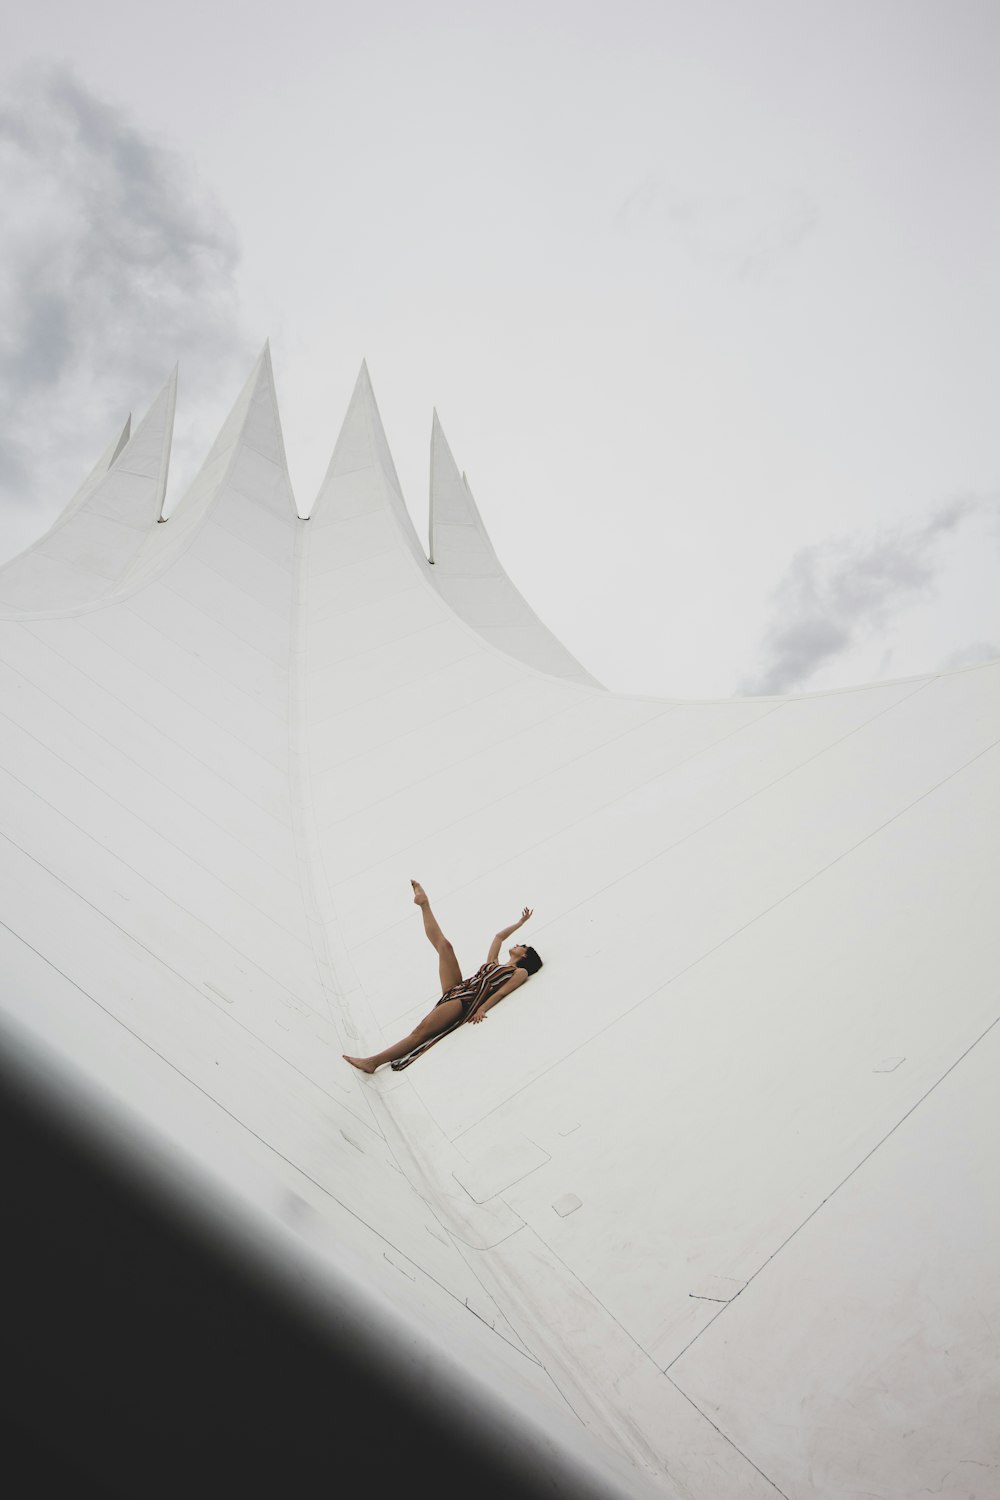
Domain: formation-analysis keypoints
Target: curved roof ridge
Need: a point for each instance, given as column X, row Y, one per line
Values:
column 470, row 577
column 246, row 463
column 362, row 444
column 89, row 548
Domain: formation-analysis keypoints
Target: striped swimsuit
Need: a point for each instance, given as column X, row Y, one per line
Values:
column 473, row 994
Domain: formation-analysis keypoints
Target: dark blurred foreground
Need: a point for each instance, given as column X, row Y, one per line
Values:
column 145, row 1358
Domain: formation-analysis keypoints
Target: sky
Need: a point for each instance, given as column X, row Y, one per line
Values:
column 706, row 295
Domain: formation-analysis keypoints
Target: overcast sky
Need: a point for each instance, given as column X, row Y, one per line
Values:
column 707, row 294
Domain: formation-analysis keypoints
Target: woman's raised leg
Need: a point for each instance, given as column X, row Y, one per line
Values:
column 439, row 1019
column 448, row 970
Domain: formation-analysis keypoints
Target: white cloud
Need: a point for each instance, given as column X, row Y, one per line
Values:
column 115, row 264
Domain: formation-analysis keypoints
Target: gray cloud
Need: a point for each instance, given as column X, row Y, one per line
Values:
column 114, row 265
column 838, row 592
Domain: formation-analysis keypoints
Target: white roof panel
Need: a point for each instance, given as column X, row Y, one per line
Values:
column 708, row 1204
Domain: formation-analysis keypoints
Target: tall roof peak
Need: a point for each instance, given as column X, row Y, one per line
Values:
column 469, row 575
column 91, row 545
column 362, row 444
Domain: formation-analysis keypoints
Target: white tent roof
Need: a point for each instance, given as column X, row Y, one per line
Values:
column 710, row 1207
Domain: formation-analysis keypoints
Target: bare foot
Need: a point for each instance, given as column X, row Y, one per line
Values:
column 364, row 1063
column 419, row 894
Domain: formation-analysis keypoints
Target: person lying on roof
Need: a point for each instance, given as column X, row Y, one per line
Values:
column 462, row 999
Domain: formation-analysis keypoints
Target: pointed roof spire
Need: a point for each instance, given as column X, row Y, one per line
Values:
column 361, row 479
column 97, row 473
column 80, row 559
column 451, row 505
column 123, row 438
column 245, row 467
column 469, row 575
column 253, row 418
column 146, row 453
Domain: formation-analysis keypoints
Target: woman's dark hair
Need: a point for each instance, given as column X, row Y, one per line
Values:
column 529, row 961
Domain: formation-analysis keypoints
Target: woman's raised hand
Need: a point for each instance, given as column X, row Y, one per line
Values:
column 525, row 915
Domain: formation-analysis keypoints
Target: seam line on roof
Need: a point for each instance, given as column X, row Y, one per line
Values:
column 521, row 854
column 263, row 552
column 242, row 497
column 344, row 617
column 438, row 719
column 816, row 875
column 757, row 792
column 189, row 603
column 636, row 1444
column 408, row 681
column 724, row 1435
column 476, row 812
column 367, row 652
column 402, row 635
column 341, row 566
column 341, row 473
column 137, row 525
column 704, row 749
column 833, row 1191
column 148, row 724
column 324, row 613
column 203, row 562
column 589, row 1292
column 145, row 771
column 164, row 691
column 125, row 523
column 244, row 900
column 89, row 575
column 469, row 1258
column 252, row 448
column 498, row 743
column 201, row 661
column 182, row 979
column 268, row 1145
column 555, row 1382
column 518, row 1347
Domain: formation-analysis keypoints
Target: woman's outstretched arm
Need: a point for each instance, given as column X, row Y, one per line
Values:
column 518, row 977
column 505, row 933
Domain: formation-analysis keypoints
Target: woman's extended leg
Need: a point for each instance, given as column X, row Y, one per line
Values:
column 440, row 1018
column 448, row 971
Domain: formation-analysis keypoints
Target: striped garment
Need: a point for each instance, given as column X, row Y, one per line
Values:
column 473, row 994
